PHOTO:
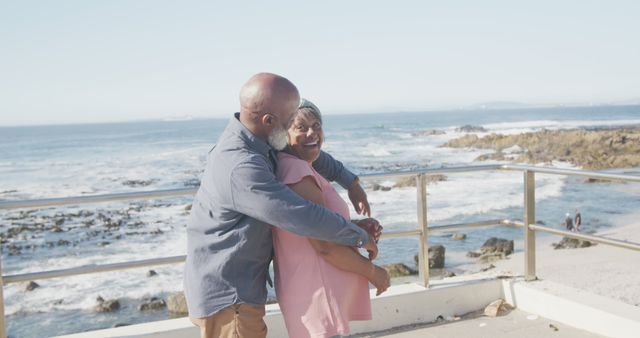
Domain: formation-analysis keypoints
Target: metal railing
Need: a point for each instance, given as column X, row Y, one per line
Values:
column 422, row 231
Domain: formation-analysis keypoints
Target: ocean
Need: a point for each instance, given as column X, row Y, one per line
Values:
column 72, row 160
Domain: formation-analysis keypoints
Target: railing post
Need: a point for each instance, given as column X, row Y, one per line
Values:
column 3, row 330
column 423, row 254
column 529, row 218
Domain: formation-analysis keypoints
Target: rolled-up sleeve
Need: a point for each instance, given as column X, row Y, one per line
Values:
column 257, row 193
column 333, row 170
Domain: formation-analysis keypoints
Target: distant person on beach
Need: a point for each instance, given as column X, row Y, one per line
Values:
column 229, row 238
column 578, row 220
column 568, row 222
column 320, row 285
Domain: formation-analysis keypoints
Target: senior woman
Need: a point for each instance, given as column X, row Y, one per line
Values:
column 320, row 286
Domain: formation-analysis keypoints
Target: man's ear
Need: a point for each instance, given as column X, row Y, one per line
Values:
column 267, row 119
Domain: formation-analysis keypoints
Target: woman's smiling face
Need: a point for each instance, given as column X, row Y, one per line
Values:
column 305, row 137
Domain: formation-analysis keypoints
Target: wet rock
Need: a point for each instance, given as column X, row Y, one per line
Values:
column 428, row 132
column 56, row 229
column 487, row 267
column 471, row 129
column 137, row 183
column 59, row 222
column 188, row 207
column 151, row 273
column 491, row 257
column 152, row 304
column 458, row 236
column 120, row 324
column 448, row 274
column 499, row 245
column 31, row 286
column 399, row 270
column 473, row 254
column 177, row 304
column 571, row 243
column 106, row 305
column 436, row 257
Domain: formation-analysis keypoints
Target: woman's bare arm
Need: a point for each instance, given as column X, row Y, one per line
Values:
column 340, row 256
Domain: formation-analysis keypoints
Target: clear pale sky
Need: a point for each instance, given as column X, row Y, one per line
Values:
column 92, row 61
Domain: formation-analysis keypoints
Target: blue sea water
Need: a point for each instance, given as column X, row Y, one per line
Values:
column 71, row 160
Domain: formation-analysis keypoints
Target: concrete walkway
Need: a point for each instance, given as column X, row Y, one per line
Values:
column 515, row 324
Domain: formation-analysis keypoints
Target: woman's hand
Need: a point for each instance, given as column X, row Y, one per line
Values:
column 359, row 198
column 372, row 226
column 380, row 279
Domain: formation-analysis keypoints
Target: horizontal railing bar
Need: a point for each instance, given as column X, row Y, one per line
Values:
column 93, row 268
column 590, row 238
column 572, row 172
column 459, row 226
column 48, row 202
column 396, row 234
column 434, row 171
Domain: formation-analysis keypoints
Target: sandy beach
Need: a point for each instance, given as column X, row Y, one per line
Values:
column 603, row 270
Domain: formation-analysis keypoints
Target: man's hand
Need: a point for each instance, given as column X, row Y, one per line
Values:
column 372, row 226
column 372, row 248
column 380, row 279
column 359, row 198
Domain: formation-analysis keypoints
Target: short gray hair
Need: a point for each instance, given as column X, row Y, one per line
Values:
column 308, row 109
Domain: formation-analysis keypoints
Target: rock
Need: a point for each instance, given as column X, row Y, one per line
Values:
column 428, row 132
column 383, row 188
column 571, row 243
column 473, row 254
column 120, row 324
column 491, row 257
column 448, row 274
column 497, row 307
column 458, row 236
column 500, row 245
column 31, row 286
column 436, row 257
column 106, row 305
column 399, row 270
column 589, row 149
column 471, row 129
column 137, row 183
column 152, row 304
column 177, row 304
column 56, row 229
column 151, row 273
column 188, row 207
column 487, row 268
column 411, row 181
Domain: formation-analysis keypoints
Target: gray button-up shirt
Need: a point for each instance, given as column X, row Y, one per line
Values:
column 229, row 243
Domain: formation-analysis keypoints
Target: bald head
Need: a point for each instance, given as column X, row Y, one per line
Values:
column 267, row 93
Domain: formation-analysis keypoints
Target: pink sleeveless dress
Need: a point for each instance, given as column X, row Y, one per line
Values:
column 316, row 298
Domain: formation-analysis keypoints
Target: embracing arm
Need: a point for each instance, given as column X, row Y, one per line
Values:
column 334, row 170
column 257, row 193
column 342, row 257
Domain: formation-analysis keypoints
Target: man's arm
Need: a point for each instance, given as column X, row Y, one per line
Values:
column 257, row 193
column 334, row 170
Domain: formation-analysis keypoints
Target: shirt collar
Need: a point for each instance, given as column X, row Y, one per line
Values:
column 251, row 140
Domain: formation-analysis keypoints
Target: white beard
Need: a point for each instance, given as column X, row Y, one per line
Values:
column 278, row 138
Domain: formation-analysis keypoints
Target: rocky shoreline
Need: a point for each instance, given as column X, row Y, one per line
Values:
column 592, row 149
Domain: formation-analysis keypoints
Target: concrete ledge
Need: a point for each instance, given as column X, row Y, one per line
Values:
column 401, row 305
column 577, row 308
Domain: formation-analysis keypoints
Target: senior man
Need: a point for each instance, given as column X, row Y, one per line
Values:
column 229, row 244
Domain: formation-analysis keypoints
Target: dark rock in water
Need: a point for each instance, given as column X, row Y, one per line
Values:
column 571, row 243
column 177, row 304
column 188, row 207
column 448, row 274
column 120, row 324
column 192, row 183
column 473, row 254
column 458, row 236
column 487, row 268
column 59, row 222
column 471, row 129
column 106, row 305
column 436, row 257
column 491, row 257
column 31, row 286
column 399, row 270
column 56, row 229
column 151, row 273
column 137, row 183
column 540, row 223
column 271, row 300
column 428, row 132
column 152, row 304
column 596, row 180
column 499, row 245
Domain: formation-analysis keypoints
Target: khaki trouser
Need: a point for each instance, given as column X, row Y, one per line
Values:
column 235, row 321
